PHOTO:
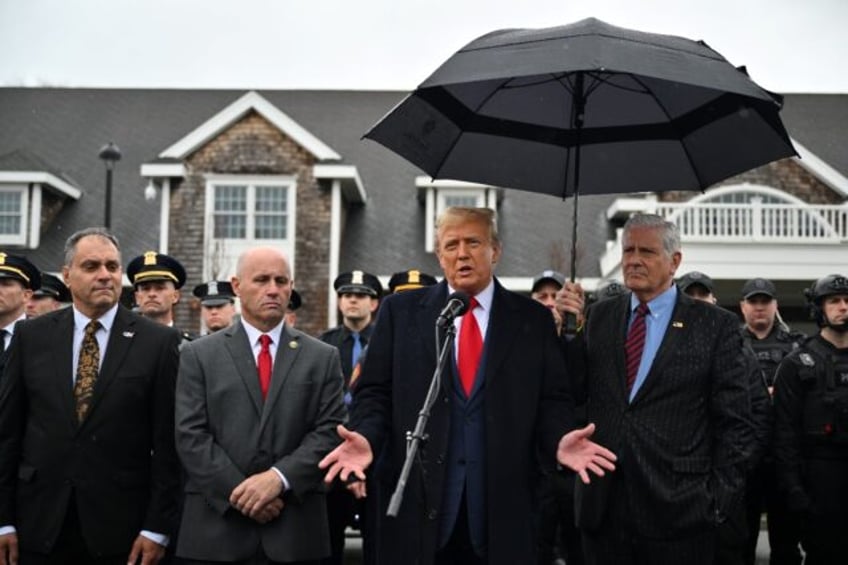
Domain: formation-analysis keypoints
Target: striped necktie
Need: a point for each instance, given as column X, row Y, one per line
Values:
column 635, row 344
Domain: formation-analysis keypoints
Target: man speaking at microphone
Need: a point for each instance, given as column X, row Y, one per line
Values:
column 503, row 411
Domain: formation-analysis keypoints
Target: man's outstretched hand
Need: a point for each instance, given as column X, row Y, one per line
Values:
column 353, row 455
column 577, row 452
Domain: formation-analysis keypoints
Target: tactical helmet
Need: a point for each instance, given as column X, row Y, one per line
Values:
column 825, row 286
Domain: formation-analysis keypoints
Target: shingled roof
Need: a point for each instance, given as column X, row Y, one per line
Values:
column 63, row 129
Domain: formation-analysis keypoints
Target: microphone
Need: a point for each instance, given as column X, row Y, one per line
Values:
column 457, row 305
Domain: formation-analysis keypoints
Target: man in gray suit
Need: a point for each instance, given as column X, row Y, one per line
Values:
column 666, row 386
column 254, row 416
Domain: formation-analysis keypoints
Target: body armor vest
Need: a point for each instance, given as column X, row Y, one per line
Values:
column 823, row 372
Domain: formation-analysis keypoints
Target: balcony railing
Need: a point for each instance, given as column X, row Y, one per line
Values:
column 756, row 221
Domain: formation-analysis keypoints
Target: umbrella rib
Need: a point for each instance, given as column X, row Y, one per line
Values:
column 466, row 120
column 453, row 143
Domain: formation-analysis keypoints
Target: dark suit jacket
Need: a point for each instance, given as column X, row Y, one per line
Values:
column 526, row 409
column 225, row 432
column 682, row 442
column 120, row 463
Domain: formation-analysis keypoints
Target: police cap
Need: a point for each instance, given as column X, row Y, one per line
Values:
column 358, row 282
column 548, row 276
column 19, row 268
column 53, row 287
column 409, row 280
column 758, row 286
column 609, row 289
column 696, row 277
column 215, row 293
column 152, row 266
column 295, row 301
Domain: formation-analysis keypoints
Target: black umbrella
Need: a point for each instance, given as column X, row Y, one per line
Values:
column 587, row 107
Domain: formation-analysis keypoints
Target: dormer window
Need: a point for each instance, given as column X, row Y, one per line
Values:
column 441, row 194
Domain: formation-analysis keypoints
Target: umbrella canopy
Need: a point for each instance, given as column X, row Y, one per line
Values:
column 589, row 108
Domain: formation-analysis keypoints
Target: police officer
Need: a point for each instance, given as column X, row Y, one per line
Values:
column 736, row 537
column 157, row 279
column 544, row 290
column 52, row 295
column 771, row 340
column 558, row 535
column 607, row 289
column 295, row 302
column 379, row 490
column 217, row 305
column 811, row 426
column 698, row 285
column 359, row 295
column 18, row 279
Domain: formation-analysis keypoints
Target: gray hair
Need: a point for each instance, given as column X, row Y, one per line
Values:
column 670, row 232
column 74, row 239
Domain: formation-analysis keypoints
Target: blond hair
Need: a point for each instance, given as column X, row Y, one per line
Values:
column 456, row 215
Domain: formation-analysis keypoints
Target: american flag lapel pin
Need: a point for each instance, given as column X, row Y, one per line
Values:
column 128, row 334
column 677, row 324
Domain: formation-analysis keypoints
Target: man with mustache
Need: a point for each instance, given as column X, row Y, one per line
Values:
column 88, row 472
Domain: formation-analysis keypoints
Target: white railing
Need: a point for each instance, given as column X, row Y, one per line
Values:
column 758, row 222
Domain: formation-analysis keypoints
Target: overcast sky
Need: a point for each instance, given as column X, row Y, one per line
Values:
column 787, row 45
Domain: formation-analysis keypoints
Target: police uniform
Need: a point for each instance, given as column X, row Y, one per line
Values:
column 811, row 445
column 356, row 282
column 342, row 509
column 770, row 350
column 763, row 492
column 52, row 287
column 215, row 293
column 295, row 301
column 17, row 268
column 696, row 278
column 152, row 266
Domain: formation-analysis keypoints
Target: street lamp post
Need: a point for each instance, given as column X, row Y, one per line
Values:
column 109, row 154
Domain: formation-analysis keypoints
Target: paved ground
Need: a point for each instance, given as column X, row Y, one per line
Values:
column 353, row 550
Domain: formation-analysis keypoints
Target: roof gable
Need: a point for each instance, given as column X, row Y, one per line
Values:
column 235, row 111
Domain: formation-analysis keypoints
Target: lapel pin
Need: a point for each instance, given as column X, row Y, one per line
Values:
column 128, row 334
column 677, row 324
column 292, row 344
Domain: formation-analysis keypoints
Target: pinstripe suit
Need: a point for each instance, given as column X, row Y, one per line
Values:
column 680, row 442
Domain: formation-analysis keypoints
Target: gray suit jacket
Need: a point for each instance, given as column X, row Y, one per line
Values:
column 225, row 432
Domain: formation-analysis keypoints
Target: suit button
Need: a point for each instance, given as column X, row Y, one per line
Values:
column 432, row 514
column 440, row 459
column 461, row 462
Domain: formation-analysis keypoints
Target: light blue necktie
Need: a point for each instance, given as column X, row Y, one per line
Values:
column 357, row 349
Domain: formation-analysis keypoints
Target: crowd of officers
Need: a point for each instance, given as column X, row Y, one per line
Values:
column 799, row 397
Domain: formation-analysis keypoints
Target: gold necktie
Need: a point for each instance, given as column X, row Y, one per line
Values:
column 87, row 369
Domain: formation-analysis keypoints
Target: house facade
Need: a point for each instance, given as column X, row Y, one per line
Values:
column 206, row 173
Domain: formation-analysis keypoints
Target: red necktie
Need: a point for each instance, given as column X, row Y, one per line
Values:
column 264, row 364
column 470, row 348
column 635, row 344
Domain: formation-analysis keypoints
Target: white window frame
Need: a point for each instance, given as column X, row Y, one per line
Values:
column 234, row 246
column 19, row 238
column 437, row 191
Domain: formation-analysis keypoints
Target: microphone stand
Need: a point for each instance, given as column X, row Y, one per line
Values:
column 415, row 438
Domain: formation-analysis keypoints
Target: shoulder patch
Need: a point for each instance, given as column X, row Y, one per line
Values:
column 807, row 360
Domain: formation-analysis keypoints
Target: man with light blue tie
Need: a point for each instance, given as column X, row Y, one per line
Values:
column 665, row 383
column 359, row 295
